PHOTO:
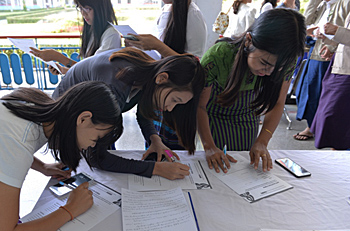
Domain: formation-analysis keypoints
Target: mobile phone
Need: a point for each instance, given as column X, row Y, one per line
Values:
column 130, row 37
column 60, row 189
column 293, row 167
column 153, row 157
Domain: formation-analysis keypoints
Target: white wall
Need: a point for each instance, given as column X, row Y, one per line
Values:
column 210, row 10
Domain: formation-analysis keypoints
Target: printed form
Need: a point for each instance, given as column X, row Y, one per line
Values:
column 196, row 180
column 156, row 211
column 106, row 202
column 250, row 184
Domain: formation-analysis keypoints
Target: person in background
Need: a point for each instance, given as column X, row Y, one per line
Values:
column 97, row 35
column 241, row 16
column 170, row 86
column 289, row 4
column 334, row 105
column 310, row 84
column 181, row 27
column 86, row 115
column 247, row 77
column 268, row 5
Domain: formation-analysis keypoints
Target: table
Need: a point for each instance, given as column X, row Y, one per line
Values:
column 316, row 202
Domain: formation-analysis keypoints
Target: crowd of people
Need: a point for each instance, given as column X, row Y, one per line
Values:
column 224, row 91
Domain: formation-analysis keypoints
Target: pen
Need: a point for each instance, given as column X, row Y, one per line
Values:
column 170, row 155
column 225, row 148
column 71, row 186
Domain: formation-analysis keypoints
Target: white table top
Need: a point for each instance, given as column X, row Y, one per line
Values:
column 316, row 202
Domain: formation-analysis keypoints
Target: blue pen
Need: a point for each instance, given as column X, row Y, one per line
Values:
column 225, row 148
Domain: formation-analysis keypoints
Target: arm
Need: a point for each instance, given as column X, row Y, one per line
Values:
column 214, row 155
column 78, row 202
column 341, row 34
column 149, row 42
column 54, row 169
column 52, row 55
column 272, row 118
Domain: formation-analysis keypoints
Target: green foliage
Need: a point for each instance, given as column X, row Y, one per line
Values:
column 32, row 16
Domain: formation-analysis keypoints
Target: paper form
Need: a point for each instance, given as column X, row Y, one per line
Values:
column 196, row 180
column 156, row 211
column 106, row 202
column 123, row 29
column 25, row 44
column 249, row 183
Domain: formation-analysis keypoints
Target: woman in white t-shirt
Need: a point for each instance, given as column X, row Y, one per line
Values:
column 241, row 16
column 181, row 27
column 86, row 114
column 268, row 5
column 97, row 35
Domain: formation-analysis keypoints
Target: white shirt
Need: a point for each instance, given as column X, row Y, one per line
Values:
column 110, row 39
column 196, row 31
column 267, row 6
column 241, row 21
column 19, row 140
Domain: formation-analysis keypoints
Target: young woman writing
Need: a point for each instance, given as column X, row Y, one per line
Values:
column 171, row 85
column 86, row 115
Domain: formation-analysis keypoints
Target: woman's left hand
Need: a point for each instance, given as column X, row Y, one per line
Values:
column 330, row 28
column 158, row 147
column 55, row 170
column 259, row 150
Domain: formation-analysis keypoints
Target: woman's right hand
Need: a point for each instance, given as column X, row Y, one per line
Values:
column 80, row 200
column 171, row 170
column 145, row 42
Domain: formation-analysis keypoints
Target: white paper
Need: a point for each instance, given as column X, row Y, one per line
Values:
column 249, row 183
column 106, row 202
column 25, row 44
column 303, row 230
column 196, row 180
column 156, row 211
column 123, row 29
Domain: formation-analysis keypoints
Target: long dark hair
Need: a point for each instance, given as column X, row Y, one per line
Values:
column 273, row 3
column 92, row 96
column 175, row 31
column 103, row 13
column 280, row 32
column 235, row 6
column 185, row 74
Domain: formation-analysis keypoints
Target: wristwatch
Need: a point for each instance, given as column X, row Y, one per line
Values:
column 69, row 65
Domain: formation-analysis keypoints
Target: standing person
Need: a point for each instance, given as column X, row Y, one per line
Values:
column 268, row 5
column 85, row 115
column 310, row 84
column 181, row 27
column 247, row 77
column 171, row 86
column 330, row 124
column 97, row 35
column 241, row 16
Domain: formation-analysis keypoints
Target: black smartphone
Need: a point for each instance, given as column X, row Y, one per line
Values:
column 69, row 184
column 153, row 157
column 293, row 167
column 130, row 37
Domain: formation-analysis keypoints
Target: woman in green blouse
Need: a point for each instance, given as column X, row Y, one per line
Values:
column 246, row 77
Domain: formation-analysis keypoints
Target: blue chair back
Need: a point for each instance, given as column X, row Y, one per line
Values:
column 5, row 70
column 16, row 68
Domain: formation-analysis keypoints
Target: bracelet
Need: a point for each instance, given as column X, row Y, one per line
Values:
column 268, row 131
column 71, row 215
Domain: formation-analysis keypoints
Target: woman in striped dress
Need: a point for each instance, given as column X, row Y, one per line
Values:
column 247, row 77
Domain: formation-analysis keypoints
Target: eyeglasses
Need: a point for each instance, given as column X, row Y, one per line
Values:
column 83, row 9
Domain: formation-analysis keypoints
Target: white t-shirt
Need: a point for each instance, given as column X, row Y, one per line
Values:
column 19, row 140
column 196, row 31
column 240, row 22
column 267, row 6
column 110, row 39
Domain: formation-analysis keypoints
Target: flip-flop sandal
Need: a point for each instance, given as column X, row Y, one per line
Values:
column 306, row 137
